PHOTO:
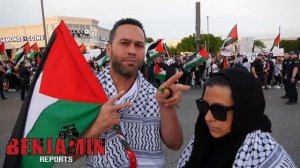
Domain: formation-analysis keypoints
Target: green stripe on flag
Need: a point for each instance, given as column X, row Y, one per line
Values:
column 62, row 113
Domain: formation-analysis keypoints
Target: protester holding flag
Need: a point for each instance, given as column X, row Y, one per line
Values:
column 232, row 129
column 2, row 73
column 151, row 117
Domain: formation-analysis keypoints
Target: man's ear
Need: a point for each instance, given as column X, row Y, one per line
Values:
column 108, row 49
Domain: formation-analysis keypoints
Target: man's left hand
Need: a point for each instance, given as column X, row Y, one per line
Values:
column 170, row 94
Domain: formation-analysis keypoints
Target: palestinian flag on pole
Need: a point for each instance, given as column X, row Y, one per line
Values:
column 65, row 94
column 276, row 43
column 232, row 37
column 196, row 59
column 102, row 58
column 83, row 48
column 21, row 55
column 3, row 54
column 34, row 51
column 22, row 51
column 159, row 73
column 156, row 49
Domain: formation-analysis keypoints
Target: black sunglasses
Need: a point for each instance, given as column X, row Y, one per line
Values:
column 219, row 111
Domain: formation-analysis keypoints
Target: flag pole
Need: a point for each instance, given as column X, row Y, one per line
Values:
column 279, row 34
column 207, row 33
column 44, row 25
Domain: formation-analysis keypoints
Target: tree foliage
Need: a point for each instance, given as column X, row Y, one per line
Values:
column 188, row 44
column 258, row 43
column 290, row 45
column 149, row 40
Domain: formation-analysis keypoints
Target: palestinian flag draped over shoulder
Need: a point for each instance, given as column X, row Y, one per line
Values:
column 232, row 37
column 65, row 94
column 276, row 42
column 196, row 59
column 156, row 49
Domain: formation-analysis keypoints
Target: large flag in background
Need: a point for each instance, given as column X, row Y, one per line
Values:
column 64, row 93
column 232, row 37
column 34, row 51
column 156, row 49
column 196, row 59
column 276, row 42
column 83, row 48
column 3, row 53
column 102, row 58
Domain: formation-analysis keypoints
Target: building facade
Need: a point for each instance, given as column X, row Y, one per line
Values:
column 84, row 30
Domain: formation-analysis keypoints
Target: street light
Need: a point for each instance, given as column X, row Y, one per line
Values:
column 44, row 25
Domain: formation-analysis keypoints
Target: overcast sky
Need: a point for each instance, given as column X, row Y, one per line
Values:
column 168, row 19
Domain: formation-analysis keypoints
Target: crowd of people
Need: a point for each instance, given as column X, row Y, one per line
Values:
column 231, row 130
column 16, row 77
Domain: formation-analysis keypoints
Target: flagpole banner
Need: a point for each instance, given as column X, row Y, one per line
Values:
column 232, row 37
column 156, row 49
column 196, row 59
column 63, row 101
column 276, row 43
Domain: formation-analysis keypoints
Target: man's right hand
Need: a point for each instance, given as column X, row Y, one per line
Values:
column 107, row 117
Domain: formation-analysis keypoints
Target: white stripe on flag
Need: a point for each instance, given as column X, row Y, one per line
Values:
column 38, row 103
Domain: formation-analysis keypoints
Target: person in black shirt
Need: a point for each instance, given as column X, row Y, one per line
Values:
column 286, row 60
column 2, row 73
column 257, row 68
column 292, row 70
column 24, row 79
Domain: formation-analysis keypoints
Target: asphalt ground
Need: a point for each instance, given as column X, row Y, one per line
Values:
column 285, row 123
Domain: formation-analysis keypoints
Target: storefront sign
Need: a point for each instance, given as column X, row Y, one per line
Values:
column 80, row 33
column 22, row 38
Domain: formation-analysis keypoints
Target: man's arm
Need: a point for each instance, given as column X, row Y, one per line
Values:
column 171, row 131
column 106, row 119
column 253, row 71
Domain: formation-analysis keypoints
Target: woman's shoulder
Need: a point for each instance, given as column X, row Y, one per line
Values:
column 260, row 149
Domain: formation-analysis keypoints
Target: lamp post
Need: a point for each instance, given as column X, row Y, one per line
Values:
column 207, row 33
column 44, row 25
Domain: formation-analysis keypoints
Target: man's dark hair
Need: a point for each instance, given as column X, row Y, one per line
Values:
column 123, row 22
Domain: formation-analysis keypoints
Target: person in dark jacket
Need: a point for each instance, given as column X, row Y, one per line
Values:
column 24, row 79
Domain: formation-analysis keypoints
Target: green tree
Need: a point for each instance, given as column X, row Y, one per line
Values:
column 187, row 44
column 258, row 43
column 149, row 40
column 290, row 45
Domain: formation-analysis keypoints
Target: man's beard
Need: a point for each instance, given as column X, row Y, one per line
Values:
column 125, row 71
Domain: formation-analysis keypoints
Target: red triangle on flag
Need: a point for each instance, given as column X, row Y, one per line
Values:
column 277, row 40
column 157, row 69
column 35, row 47
column 203, row 52
column 27, row 48
column 159, row 48
column 234, row 32
column 2, row 48
column 66, row 75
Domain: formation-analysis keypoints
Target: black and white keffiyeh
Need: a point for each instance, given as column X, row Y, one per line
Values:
column 259, row 150
column 140, row 124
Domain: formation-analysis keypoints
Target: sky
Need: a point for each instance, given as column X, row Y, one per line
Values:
column 168, row 19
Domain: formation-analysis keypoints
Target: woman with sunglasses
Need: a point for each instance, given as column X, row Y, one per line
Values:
column 232, row 129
